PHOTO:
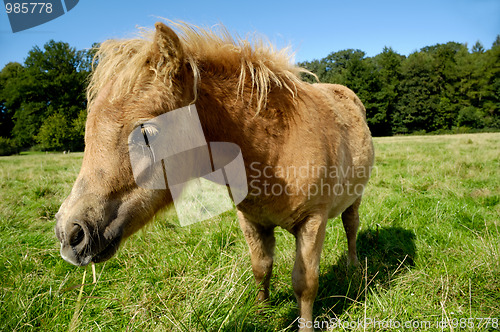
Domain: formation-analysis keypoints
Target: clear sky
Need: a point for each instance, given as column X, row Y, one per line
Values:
column 313, row 28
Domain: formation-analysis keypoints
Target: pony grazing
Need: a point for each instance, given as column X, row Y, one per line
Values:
column 306, row 148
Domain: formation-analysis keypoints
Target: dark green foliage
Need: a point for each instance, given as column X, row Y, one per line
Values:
column 8, row 146
column 58, row 133
column 440, row 88
column 42, row 100
column 9, row 96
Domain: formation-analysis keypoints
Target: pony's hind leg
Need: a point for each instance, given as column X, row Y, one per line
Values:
column 261, row 243
column 309, row 243
column 350, row 219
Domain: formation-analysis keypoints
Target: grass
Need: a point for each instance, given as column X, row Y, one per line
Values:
column 429, row 245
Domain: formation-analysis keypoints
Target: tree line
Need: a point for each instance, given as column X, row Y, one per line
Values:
column 441, row 88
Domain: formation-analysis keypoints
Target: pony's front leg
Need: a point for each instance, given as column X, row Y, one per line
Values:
column 309, row 242
column 261, row 243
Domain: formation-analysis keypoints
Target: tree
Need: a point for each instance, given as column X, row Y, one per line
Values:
column 490, row 90
column 478, row 48
column 446, row 69
column 53, row 81
column 55, row 133
column 317, row 67
column 419, row 99
column 10, row 96
column 388, row 68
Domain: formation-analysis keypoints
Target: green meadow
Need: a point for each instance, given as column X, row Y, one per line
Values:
column 429, row 246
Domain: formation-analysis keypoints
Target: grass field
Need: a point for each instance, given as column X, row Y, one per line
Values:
column 429, row 244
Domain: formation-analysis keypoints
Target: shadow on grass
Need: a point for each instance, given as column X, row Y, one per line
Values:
column 382, row 252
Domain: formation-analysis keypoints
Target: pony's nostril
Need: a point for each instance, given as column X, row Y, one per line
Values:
column 76, row 236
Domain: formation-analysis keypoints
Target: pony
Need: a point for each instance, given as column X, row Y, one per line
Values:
column 307, row 150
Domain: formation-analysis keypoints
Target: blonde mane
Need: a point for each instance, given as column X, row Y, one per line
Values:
column 126, row 63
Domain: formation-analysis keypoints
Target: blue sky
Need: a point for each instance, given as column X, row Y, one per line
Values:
column 313, row 28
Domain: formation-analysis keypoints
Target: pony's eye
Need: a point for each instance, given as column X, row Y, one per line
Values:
column 144, row 134
column 149, row 132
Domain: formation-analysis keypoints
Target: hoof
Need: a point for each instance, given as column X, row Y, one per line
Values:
column 352, row 261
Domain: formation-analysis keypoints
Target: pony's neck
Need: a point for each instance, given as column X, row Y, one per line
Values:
column 229, row 115
column 222, row 111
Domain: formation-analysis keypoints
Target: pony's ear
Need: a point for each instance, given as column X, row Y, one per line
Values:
column 167, row 50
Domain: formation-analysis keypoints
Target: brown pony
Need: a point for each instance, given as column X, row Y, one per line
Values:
column 307, row 149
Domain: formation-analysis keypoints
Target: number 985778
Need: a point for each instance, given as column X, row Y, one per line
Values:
column 28, row 7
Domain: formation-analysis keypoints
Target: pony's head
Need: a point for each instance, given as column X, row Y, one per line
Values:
column 134, row 81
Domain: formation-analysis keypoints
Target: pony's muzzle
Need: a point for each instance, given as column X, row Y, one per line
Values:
column 88, row 231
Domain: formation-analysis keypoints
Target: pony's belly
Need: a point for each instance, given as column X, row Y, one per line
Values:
column 288, row 207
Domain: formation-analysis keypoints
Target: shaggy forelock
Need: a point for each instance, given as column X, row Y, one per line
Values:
column 126, row 64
